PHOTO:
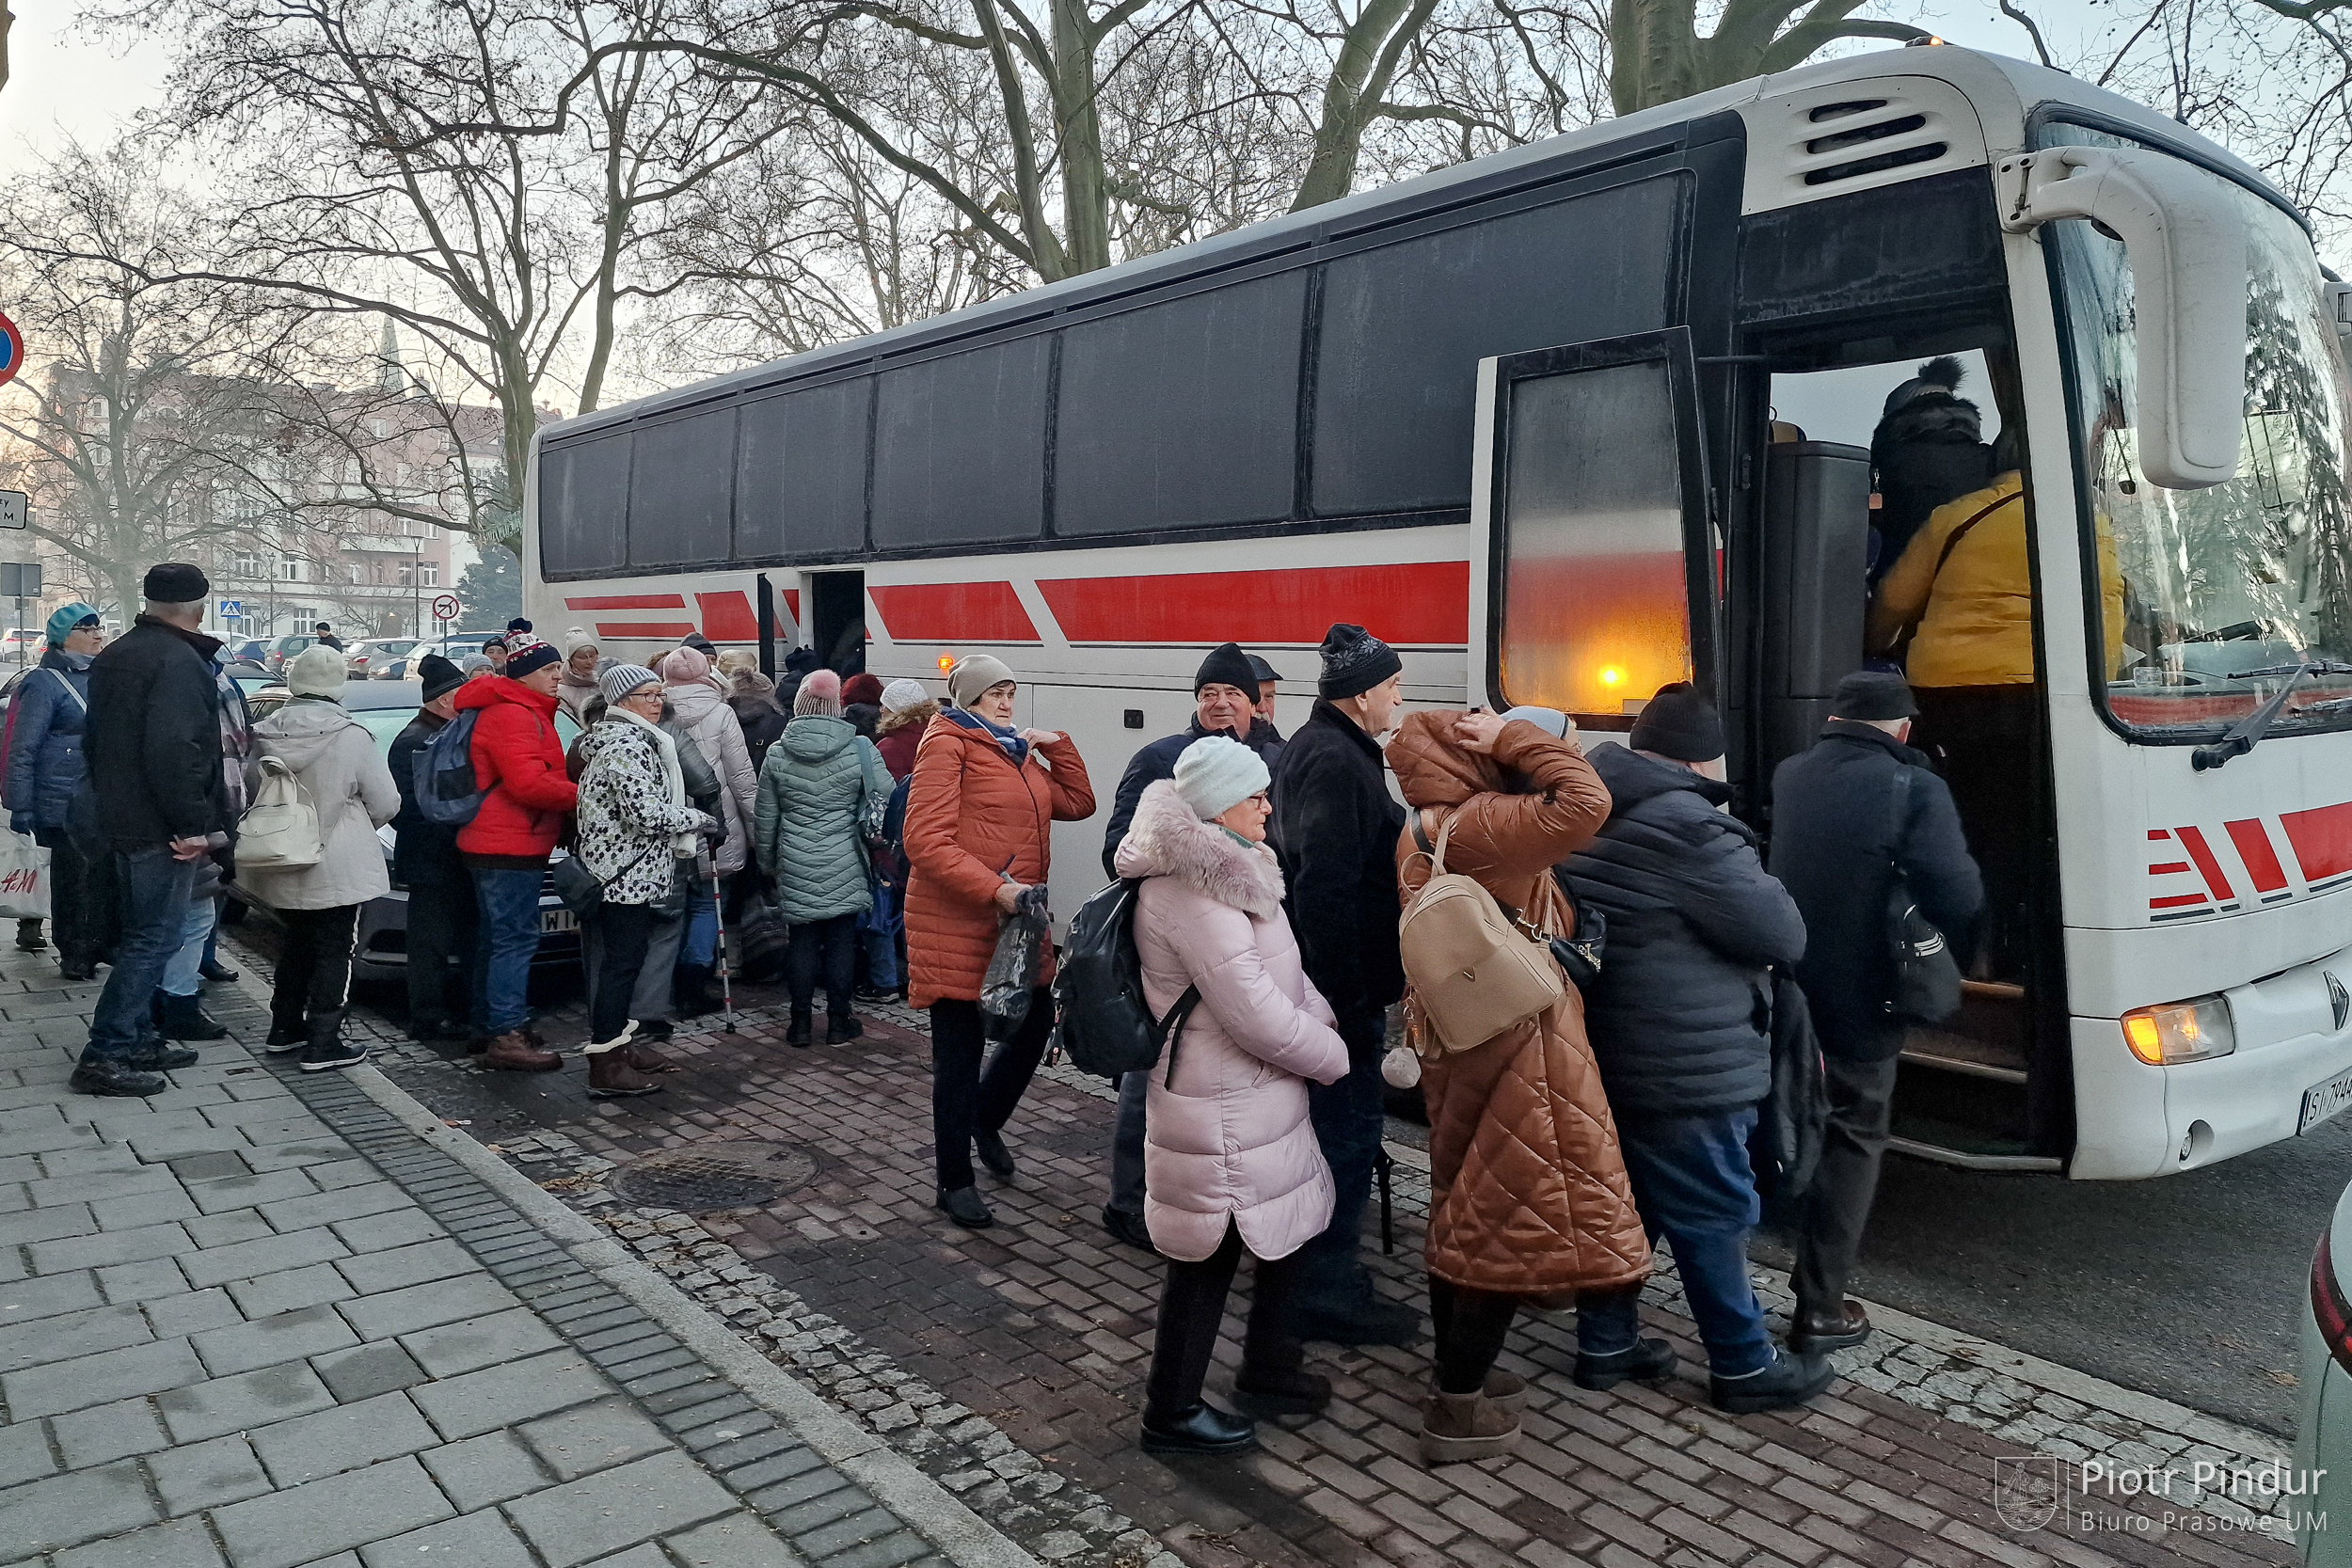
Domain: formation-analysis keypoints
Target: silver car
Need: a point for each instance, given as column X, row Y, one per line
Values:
column 2320, row 1483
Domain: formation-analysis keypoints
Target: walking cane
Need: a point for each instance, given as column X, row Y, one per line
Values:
column 1380, row 1166
column 719, row 949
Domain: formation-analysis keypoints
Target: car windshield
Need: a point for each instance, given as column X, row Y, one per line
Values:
column 2250, row 575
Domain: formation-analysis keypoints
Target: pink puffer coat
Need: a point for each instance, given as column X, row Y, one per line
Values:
column 1230, row 1140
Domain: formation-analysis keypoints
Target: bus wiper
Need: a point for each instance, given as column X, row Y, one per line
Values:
column 2246, row 733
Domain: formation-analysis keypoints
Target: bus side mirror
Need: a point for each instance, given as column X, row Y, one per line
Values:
column 2340, row 308
column 2186, row 242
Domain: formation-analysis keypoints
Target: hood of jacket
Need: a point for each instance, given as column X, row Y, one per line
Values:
column 814, row 737
column 301, row 731
column 1166, row 839
column 1633, row 778
column 1433, row 770
column 495, row 690
column 693, row 702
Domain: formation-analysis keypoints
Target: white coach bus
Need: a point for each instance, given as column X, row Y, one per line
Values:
column 1518, row 417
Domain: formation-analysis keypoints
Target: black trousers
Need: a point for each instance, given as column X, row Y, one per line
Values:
column 833, row 942
column 313, row 964
column 624, row 931
column 1845, row 1183
column 1192, row 1308
column 1990, row 742
column 1470, row 1325
column 964, row 1098
column 81, row 899
column 444, row 921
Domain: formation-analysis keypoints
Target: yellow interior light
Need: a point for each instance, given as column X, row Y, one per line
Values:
column 1612, row 675
column 2146, row 1041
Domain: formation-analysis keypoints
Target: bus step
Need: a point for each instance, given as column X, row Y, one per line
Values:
column 1998, row 1060
column 1970, row 1160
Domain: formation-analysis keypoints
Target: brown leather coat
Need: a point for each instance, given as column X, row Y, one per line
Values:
column 1529, row 1194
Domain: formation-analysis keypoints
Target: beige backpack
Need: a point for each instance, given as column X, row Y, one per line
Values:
column 1474, row 969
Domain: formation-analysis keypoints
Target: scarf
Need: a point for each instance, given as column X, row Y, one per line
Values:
column 1010, row 740
column 680, row 844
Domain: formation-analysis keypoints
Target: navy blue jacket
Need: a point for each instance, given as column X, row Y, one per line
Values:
column 423, row 850
column 45, row 729
column 1836, row 845
column 1158, row 761
column 1680, row 1015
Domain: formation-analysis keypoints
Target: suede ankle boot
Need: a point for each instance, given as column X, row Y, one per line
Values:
column 1455, row 1426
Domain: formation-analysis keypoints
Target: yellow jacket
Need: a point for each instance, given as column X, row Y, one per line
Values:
column 1975, row 615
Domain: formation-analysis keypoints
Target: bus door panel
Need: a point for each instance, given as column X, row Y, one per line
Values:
column 1815, row 552
column 1590, row 507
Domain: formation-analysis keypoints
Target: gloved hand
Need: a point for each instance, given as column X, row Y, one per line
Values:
column 21, row 822
column 711, row 828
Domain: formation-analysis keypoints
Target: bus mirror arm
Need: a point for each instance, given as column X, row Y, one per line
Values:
column 2186, row 242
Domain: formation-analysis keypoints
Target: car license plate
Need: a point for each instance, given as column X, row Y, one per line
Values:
column 2321, row 1101
column 558, row 920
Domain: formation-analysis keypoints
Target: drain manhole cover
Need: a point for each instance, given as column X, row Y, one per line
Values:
column 700, row 1177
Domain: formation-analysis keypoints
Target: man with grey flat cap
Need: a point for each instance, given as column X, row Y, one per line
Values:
column 1838, row 834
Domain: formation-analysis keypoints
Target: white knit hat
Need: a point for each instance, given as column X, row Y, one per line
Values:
column 903, row 694
column 317, row 671
column 1216, row 773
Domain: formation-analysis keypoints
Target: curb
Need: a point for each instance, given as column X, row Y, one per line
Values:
column 961, row 1535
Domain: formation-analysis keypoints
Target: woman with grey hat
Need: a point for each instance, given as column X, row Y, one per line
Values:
column 338, row 769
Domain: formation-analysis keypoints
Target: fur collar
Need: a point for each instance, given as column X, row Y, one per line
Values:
column 1166, row 839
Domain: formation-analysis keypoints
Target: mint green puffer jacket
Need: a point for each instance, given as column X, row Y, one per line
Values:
column 822, row 790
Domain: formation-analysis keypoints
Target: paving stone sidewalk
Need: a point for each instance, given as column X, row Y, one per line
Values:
column 257, row 1322
column 1010, row 1363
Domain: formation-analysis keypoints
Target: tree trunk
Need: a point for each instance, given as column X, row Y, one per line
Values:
column 1359, row 78
column 1086, row 202
column 1653, row 52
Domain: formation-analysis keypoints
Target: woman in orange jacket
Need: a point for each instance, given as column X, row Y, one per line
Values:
column 978, row 833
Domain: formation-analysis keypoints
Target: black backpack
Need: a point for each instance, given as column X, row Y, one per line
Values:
column 1105, row 1025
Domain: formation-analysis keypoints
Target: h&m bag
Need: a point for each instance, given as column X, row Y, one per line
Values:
column 1475, row 969
column 447, row 792
column 280, row 831
column 1105, row 1025
column 1927, row 987
column 24, row 877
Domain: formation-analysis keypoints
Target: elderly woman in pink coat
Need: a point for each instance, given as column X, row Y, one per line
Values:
column 1231, row 1162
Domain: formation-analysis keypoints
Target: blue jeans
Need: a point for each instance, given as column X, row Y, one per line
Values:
column 1694, row 1185
column 196, row 932
column 878, row 934
column 509, row 901
column 700, row 948
column 1349, row 1117
column 155, row 890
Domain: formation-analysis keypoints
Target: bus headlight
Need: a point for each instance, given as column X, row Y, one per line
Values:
column 2180, row 1032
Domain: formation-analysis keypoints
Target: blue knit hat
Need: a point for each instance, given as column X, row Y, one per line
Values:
column 63, row 623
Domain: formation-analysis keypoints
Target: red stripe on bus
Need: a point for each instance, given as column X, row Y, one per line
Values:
column 728, row 618
column 2169, row 868
column 644, row 630
column 953, row 613
column 2322, row 838
column 2216, row 883
column 792, row 604
column 2176, row 900
column 1419, row 604
column 629, row 601
column 2254, row 848
column 2159, row 833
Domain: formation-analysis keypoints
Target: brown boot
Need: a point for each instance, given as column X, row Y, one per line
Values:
column 512, row 1053
column 611, row 1077
column 1505, row 1391
column 1465, row 1426
column 645, row 1058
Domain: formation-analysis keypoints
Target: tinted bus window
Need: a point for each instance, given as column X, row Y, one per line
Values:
column 584, row 506
column 1182, row 413
column 681, row 490
column 800, row 472
column 959, row 447
column 1405, row 325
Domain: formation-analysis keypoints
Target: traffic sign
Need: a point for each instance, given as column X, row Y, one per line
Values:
column 16, row 509
column 233, row 610
column 20, row 581
column 446, row 607
column 11, row 352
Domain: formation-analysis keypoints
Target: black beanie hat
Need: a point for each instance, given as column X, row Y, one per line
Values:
column 518, row 624
column 174, row 582
column 522, row 660
column 1355, row 662
column 439, row 675
column 1873, row 694
column 1679, row 723
column 1227, row 665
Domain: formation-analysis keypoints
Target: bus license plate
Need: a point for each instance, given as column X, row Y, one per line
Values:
column 558, row 920
column 2321, row 1101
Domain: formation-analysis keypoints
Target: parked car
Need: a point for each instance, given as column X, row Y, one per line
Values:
column 21, row 642
column 2322, row 1439
column 382, row 658
column 381, row 952
column 249, row 650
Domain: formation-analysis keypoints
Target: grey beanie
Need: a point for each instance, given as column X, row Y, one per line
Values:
column 622, row 679
column 975, row 674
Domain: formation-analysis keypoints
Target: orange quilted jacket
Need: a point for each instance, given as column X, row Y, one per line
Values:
column 1527, row 1190
column 970, row 814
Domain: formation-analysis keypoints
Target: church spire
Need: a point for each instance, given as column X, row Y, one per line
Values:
column 388, row 374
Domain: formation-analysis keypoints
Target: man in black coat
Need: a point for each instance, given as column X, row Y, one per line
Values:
column 1224, row 698
column 153, row 794
column 1335, row 828
column 1679, row 1020
column 443, row 918
column 1838, row 832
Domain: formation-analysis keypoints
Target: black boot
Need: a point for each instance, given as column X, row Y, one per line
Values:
column 1280, row 1391
column 1203, row 1428
column 1644, row 1361
column 993, row 1154
column 325, row 1048
column 1788, row 1383
column 28, row 937
column 286, row 1034
column 216, row 972
column 841, row 1028
column 155, row 1056
column 184, row 1018
column 109, row 1077
column 692, row 984
column 798, row 1032
column 963, row 1206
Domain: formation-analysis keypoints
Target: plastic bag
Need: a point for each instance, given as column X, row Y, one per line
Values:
column 1011, row 983
column 24, row 877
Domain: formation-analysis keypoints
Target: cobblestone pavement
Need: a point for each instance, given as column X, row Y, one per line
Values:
column 1009, row 1362
column 261, row 1320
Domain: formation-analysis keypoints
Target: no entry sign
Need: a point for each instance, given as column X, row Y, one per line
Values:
column 446, row 607
column 11, row 351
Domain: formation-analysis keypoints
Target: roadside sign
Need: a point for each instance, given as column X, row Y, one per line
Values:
column 20, row 581
column 16, row 508
column 446, row 607
column 11, row 356
column 233, row 610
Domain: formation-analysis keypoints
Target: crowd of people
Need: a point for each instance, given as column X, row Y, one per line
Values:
column 898, row 836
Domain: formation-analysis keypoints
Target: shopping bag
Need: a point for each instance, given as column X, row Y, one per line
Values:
column 24, row 877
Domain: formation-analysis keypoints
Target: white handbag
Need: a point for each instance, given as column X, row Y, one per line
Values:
column 281, row 829
column 24, row 877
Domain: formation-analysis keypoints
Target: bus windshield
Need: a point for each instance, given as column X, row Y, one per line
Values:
column 2247, row 576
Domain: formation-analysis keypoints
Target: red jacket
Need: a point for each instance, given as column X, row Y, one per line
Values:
column 520, row 762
